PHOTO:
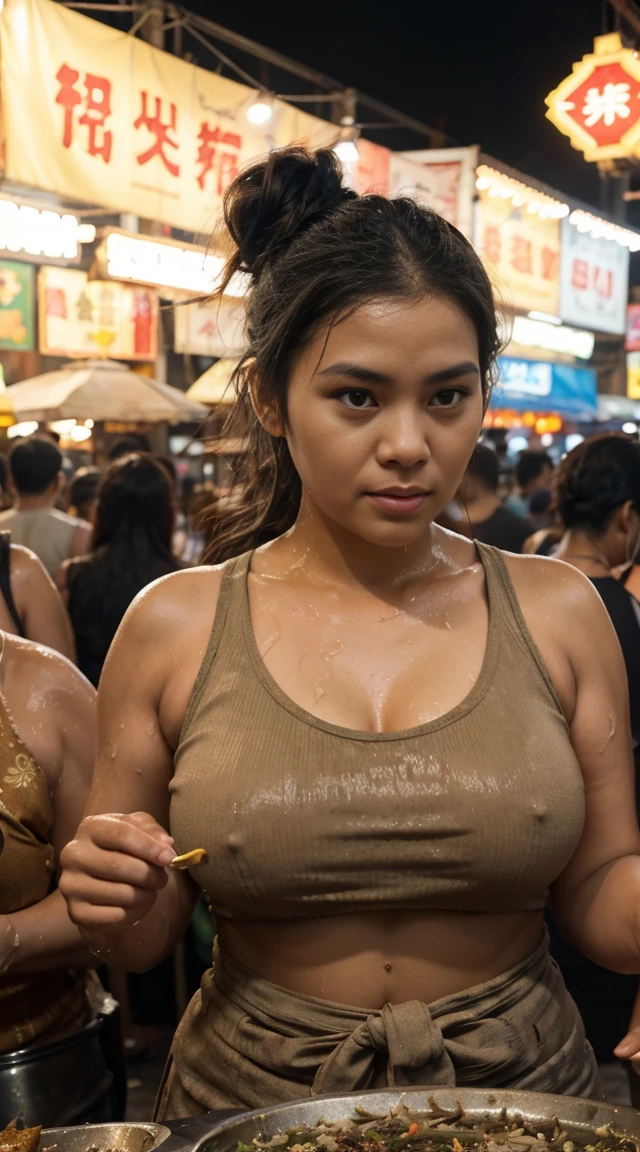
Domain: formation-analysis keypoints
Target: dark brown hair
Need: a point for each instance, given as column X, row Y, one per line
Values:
column 315, row 251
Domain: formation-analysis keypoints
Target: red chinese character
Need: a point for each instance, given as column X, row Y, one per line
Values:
column 549, row 263
column 97, row 108
column 160, row 130
column 69, row 98
column 209, row 155
column 603, row 282
column 580, row 275
column 521, row 257
column 492, row 243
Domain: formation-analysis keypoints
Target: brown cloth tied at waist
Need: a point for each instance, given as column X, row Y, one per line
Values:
column 245, row 1042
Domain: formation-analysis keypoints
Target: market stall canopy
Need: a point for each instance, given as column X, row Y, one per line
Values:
column 100, row 390
column 214, row 386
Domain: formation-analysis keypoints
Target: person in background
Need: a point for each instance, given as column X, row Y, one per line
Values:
column 35, row 466
column 83, row 493
column 130, row 548
column 534, row 469
column 6, row 496
column 125, row 445
column 47, row 741
column 598, row 499
column 491, row 522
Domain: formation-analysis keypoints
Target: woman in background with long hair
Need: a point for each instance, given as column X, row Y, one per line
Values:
column 131, row 547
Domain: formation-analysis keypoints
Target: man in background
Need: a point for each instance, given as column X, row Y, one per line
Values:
column 534, row 470
column 491, row 522
column 35, row 469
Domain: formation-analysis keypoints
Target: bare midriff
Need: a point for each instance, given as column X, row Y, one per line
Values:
column 375, row 958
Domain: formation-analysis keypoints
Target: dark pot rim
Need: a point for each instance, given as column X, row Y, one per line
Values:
column 55, row 1047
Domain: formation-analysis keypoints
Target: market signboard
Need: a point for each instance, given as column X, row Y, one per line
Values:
column 95, row 318
column 17, row 306
column 210, row 329
column 101, row 116
column 632, row 342
column 441, row 178
column 521, row 252
column 541, row 386
column 594, row 277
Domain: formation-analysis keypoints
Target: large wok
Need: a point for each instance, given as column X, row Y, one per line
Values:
column 576, row 1115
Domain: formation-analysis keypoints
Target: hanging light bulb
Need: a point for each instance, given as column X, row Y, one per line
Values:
column 347, row 151
column 261, row 111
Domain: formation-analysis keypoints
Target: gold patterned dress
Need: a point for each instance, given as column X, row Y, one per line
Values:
column 41, row 1006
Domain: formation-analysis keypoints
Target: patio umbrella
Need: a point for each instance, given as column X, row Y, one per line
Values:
column 214, row 386
column 99, row 390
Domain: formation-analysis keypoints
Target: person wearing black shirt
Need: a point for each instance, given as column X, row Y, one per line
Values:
column 491, row 522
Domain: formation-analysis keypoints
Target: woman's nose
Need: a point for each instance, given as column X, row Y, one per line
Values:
column 403, row 440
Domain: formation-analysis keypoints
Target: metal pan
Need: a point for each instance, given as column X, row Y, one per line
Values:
column 576, row 1115
column 123, row 1137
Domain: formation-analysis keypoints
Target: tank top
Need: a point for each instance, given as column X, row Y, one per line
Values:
column 38, row 1006
column 478, row 810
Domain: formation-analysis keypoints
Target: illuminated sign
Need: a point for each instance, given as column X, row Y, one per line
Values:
column 555, row 338
column 185, row 268
column 35, row 232
column 598, row 105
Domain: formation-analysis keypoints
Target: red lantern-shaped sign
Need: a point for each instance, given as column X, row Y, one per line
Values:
column 598, row 106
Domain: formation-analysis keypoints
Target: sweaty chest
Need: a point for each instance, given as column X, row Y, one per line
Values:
column 381, row 669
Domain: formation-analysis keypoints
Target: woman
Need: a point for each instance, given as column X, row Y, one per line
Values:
column 598, row 500
column 131, row 547
column 47, row 742
column 83, row 493
column 377, row 729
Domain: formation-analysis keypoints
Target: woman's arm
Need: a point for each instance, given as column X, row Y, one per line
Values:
column 132, row 911
column 596, row 901
column 42, row 937
column 43, row 615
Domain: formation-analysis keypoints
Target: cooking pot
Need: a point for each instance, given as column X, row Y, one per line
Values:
column 577, row 1116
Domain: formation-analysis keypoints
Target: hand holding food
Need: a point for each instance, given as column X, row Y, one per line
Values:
column 189, row 859
column 113, row 870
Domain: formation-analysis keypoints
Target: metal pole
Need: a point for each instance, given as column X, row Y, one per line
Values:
column 152, row 29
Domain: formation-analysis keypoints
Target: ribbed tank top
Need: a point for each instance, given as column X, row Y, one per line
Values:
column 478, row 810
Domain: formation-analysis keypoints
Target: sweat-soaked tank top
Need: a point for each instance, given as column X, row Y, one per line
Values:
column 478, row 810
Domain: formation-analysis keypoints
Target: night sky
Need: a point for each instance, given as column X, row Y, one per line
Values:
column 481, row 68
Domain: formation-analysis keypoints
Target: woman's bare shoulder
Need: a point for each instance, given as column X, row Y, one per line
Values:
column 174, row 613
column 541, row 579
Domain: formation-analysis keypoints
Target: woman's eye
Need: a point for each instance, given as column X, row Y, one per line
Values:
column 357, row 398
column 450, row 398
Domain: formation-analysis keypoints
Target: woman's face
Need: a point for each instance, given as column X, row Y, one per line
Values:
column 384, row 411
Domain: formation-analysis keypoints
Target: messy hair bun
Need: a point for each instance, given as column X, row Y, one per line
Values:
column 596, row 479
column 274, row 201
column 315, row 250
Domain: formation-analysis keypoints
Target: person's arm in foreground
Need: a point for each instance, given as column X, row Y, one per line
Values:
column 40, row 608
column 42, row 937
column 129, row 908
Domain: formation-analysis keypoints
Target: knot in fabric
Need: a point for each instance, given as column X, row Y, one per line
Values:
column 405, row 1034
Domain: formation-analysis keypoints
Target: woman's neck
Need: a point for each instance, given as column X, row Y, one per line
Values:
column 325, row 552
column 586, row 552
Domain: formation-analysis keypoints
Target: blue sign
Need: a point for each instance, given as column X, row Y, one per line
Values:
column 539, row 386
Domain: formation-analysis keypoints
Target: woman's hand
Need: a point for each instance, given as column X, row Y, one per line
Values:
column 113, row 870
column 629, row 1048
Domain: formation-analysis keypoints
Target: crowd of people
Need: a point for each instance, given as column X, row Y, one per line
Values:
column 407, row 753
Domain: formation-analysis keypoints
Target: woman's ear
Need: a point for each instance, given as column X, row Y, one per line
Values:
column 266, row 411
column 625, row 516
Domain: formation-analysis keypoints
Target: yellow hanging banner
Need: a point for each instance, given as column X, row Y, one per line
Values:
column 100, row 116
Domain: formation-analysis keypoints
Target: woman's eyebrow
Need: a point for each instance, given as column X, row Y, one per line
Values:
column 371, row 376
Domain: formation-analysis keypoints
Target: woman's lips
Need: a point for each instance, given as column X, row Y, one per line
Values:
column 398, row 505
